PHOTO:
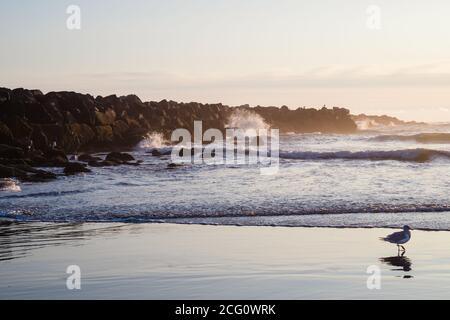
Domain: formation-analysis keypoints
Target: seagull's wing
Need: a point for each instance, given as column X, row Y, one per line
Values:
column 394, row 237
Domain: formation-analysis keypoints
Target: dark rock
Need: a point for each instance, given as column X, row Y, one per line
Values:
column 39, row 138
column 105, row 118
column 156, row 153
column 41, row 176
column 119, row 157
column 135, row 163
column 120, row 129
column 20, row 128
column 11, row 172
column 11, row 152
column 174, row 165
column 9, row 161
column 78, row 121
column 26, row 168
column 55, row 133
column 87, row 158
column 81, row 133
column 104, row 134
column 5, row 94
column 55, row 158
column 37, row 113
column 102, row 163
column 50, row 158
column 53, row 152
column 6, row 136
column 74, row 168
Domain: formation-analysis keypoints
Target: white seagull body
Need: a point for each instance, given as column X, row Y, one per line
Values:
column 399, row 238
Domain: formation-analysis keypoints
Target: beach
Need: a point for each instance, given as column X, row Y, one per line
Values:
column 178, row 261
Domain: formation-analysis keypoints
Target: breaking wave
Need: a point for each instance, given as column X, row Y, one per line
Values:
column 414, row 155
column 9, row 185
column 246, row 120
column 420, row 138
column 153, row 140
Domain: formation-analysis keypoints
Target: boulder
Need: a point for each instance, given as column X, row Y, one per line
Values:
column 6, row 136
column 40, row 176
column 11, row 172
column 83, row 133
column 102, row 163
column 51, row 158
column 104, row 134
column 5, row 94
column 87, row 158
column 120, row 129
column 20, row 128
column 11, row 152
column 156, row 153
column 105, row 118
column 39, row 138
column 119, row 157
column 174, row 165
column 37, row 113
column 7, row 162
column 55, row 153
column 74, row 168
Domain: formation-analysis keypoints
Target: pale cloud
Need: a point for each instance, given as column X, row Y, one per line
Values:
column 330, row 76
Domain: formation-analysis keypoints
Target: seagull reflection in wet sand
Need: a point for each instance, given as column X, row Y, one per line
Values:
column 399, row 261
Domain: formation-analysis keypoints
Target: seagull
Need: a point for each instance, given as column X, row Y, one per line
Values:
column 399, row 238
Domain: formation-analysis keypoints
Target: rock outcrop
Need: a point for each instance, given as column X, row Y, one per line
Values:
column 72, row 121
column 370, row 121
column 38, row 130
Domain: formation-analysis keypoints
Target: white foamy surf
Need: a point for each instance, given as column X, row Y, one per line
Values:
column 153, row 140
column 340, row 180
column 9, row 185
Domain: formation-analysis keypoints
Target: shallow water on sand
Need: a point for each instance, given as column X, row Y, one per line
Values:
column 166, row 261
column 323, row 180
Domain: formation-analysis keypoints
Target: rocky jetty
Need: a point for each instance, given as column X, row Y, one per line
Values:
column 73, row 121
column 370, row 121
column 38, row 129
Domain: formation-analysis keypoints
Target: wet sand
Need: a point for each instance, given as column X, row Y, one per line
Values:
column 169, row 261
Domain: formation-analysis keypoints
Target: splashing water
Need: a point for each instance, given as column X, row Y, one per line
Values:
column 366, row 124
column 244, row 119
column 153, row 140
column 9, row 185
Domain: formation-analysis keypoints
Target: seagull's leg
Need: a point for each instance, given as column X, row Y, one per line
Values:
column 403, row 248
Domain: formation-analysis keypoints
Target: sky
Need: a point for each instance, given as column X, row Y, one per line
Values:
column 374, row 57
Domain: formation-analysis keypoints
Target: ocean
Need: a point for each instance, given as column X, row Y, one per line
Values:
column 383, row 176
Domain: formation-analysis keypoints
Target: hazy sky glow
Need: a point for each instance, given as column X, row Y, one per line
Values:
column 292, row 52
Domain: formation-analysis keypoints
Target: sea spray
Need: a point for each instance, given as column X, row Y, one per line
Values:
column 9, row 185
column 244, row 119
column 153, row 140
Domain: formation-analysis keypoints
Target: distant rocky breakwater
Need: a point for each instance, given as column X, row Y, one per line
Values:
column 38, row 130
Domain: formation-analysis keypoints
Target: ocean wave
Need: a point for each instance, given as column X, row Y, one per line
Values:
column 414, row 155
column 9, row 185
column 45, row 194
column 420, row 138
column 127, row 214
column 153, row 140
